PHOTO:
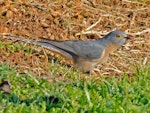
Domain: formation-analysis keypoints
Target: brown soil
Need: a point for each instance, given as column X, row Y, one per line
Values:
column 76, row 19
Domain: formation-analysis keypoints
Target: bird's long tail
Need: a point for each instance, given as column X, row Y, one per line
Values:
column 42, row 44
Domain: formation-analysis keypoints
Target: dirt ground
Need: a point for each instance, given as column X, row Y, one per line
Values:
column 80, row 20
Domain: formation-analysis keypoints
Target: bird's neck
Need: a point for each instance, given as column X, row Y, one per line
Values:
column 107, row 44
column 103, row 41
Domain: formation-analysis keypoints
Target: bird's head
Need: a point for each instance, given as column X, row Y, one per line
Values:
column 118, row 37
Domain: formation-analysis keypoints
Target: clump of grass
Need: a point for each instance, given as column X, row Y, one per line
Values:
column 15, row 47
column 104, row 95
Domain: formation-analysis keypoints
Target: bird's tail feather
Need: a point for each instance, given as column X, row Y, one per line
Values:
column 43, row 44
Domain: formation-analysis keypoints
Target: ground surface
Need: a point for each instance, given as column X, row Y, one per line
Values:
column 68, row 20
column 35, row 80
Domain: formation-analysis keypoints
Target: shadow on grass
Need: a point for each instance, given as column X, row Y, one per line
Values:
column 51, row 101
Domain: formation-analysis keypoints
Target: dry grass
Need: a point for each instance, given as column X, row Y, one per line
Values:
column 83, row 20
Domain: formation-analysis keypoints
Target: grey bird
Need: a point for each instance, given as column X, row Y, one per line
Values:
column 85, row 54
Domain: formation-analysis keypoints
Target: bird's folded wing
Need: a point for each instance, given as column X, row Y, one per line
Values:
column 85, row 49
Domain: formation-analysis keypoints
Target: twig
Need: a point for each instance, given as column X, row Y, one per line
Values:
column 4, row 34
column 116, row 70
column 92, row 32
column 132, row 1
column 93, row 25
column 138, row 33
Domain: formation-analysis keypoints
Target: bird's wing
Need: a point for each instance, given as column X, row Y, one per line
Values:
column 85, row 49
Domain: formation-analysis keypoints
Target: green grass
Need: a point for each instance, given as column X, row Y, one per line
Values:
column 13, row 47
column 31, row 94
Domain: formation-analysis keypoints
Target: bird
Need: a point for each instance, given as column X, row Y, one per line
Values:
column 85, row 54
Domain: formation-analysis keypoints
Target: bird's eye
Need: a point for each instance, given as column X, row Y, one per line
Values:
column 118, row 35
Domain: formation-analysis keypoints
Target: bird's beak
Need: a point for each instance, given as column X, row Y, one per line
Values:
column 129, row 37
